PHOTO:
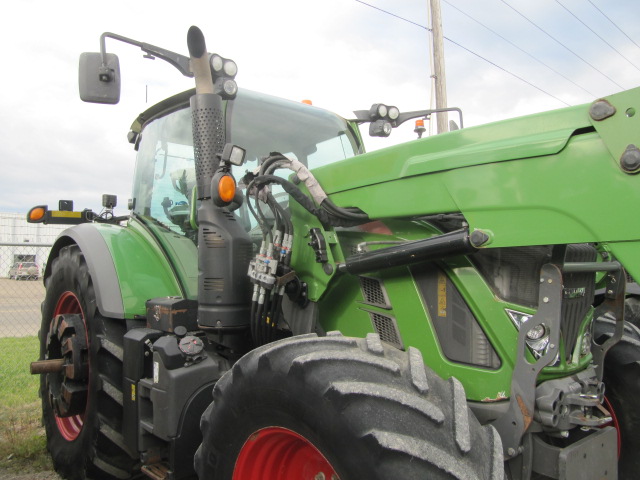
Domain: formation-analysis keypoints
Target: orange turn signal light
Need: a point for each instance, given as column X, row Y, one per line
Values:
column 226, row 188
column 307, row 102
column 36, row 214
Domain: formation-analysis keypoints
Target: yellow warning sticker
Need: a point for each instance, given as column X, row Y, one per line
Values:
column 442, row 294
column 133, row 392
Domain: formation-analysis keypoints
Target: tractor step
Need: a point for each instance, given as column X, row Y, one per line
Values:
column 156, row 471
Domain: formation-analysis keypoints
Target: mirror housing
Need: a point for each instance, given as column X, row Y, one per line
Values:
column 99, row 83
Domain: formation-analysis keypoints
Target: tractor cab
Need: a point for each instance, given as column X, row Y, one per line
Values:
column 165, row 177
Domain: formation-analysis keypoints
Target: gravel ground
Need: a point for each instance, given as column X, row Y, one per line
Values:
column 29, row 476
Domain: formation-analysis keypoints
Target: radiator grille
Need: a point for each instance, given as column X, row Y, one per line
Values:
column 514, row 273
column 575, row 309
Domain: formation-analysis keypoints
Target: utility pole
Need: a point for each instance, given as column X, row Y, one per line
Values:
column 438, row 66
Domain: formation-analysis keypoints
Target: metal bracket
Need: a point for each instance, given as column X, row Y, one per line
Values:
column 319, row 245
column 613, row 308
column 519, row 416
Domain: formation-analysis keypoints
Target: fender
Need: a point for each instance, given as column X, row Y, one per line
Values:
column 126, row 265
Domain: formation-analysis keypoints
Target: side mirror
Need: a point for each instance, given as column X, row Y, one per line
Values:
column 98, row 82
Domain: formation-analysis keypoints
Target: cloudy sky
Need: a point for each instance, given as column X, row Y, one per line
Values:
column 342, row 54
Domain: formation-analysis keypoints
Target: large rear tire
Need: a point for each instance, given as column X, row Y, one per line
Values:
column 82, row 404
column 622, row 383
column 314, row 408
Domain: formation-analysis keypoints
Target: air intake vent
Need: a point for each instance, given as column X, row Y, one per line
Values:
column 387, row 328
column 212, row 239
column 374, row 293
column 214, row 284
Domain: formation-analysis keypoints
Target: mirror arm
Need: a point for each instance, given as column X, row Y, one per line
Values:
column 179, row 61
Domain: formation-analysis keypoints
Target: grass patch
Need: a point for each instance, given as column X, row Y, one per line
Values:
column 22, row 438
column 17, row 386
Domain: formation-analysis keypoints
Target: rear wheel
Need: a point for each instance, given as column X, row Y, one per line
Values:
column 622, row 383
column 310, row 408
column 82, row 403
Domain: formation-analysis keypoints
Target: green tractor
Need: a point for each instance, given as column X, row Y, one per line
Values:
column 281, row 304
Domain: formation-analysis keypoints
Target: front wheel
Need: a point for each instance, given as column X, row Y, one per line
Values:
column 622, row 394
column 310, row 408
column 632, row 310
column 82, row 403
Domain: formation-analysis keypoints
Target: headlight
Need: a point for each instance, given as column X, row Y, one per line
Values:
column 394, row 113
column 380, row 128
column 217, row 63
column 226, row 87
column 537, row 332
column 537, row 337
column 230, row 87
column 230, row 68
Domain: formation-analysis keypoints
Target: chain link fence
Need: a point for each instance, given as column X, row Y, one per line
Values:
column 21, row 293
column 21, row 288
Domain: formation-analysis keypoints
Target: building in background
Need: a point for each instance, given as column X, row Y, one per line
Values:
column 24, row 242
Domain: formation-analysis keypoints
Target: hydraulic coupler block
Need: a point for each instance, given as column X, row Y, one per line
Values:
column 565, row 403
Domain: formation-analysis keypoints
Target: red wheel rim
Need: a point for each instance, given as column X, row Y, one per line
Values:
column 614, row 422
column 69, row 427
column 276, row 452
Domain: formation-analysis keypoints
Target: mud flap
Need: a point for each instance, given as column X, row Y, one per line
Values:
column 595, row 457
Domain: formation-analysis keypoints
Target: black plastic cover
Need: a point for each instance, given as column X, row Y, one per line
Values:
column 167, row 313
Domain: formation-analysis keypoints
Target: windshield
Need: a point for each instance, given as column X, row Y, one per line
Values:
column 262, row 124
column 164, row 180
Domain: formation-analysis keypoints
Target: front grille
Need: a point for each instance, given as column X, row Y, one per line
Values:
column 514, row 275
column 575, row 309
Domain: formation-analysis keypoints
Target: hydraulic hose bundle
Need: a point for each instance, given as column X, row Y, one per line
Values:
column 270, row 271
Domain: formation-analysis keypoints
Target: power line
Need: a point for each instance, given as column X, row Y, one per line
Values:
column 394, row 15
column 507, row 71
column 466, row 49
column 519, row 48
column 614, row 23
column 597, row 35
column 560, row 43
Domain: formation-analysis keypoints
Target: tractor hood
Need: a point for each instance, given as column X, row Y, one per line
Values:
column 530, row 136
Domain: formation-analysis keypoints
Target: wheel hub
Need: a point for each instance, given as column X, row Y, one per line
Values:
column 277, row 452
column 67, row 388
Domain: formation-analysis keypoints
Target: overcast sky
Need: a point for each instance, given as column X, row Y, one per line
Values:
column 342, row 54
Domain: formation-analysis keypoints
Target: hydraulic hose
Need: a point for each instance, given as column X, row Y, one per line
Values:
column 324, row 216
